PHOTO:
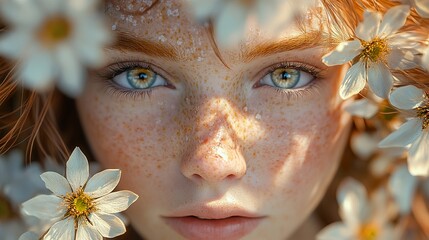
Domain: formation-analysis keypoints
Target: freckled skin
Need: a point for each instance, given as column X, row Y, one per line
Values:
column 215, row 138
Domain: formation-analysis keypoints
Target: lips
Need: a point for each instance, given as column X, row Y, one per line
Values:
column 227, row 223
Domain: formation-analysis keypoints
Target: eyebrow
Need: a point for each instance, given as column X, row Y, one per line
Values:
column 127, row 42
column 303, row 41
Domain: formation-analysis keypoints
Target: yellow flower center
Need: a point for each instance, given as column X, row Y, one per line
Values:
column 368, row 232
column 79, row 205
column 5, row 209
column 55, row 30
column 376, row 50
column 423, row 113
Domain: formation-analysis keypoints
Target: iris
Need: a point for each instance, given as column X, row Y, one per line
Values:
column 285, row 77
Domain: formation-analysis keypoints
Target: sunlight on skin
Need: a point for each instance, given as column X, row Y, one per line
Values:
column 215, row 137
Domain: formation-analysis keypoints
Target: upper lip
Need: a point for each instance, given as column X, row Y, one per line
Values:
column 218, row 211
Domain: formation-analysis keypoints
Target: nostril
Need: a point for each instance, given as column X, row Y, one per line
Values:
column 196, row 177
column 231, row 176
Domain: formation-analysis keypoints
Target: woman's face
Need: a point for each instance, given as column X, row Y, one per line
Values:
column 242, row 143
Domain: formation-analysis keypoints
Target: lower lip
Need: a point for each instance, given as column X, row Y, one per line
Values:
column 194, row 228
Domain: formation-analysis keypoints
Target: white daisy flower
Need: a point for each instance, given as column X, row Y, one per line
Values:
column 362, row 219
column 82, row 209
column 421, row 6
column 231, row 18
column 413, row 134
column 377, row 49
column 53, row 41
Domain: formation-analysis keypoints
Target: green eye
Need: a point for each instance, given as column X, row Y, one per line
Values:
column 141, row 78
column 292, row 76
column 285, row 77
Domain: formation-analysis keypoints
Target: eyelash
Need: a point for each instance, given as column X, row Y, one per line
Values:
column 120, row 67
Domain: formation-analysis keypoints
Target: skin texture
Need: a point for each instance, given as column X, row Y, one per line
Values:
column 216, row 138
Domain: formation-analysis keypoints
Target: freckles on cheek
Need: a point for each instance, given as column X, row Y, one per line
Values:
column 300, row 147
column 122, row 137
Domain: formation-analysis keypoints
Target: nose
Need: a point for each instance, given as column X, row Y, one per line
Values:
column 214, row 153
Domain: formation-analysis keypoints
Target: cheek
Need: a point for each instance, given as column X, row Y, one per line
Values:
column 124, row 135
column 294, row 162
column 295, row 145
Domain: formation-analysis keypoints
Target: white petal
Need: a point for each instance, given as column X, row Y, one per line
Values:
column 230, row 24
column 116, row 202
column 368, row 29
column 422, row 7
column 363, row 144
column 123, row 218
column 393, row 20
column 343, row 53
column 87, row 232
column 406, row 134
column 362, row 108
column 92, row 53
column 380, row 165
column 264, row 13
column 379, row 206
column 72, row 76
column 352, row 198
column 271, row 17
column 402, row 185
column 13, row 12
column 56, row 183
column 77, row 169
column 25, row 186
column 103, row 183
column 380, row 79
column 83, row 5
column 14, row 43
column 44, row 207
column 29, row 236
column 38, row 71
column 418, row 155
column 402, row 59
column 405, row 40
column 407, row 97
column 335, row 231
column 108, row 225
column 204, row 9
column 354, row 81
column 63, row 230
column 50, row 7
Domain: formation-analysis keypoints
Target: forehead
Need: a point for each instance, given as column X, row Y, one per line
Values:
column 154, row 19
column 170, row 22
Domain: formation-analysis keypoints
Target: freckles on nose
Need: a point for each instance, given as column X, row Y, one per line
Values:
column 214, row 157
column 214, row 152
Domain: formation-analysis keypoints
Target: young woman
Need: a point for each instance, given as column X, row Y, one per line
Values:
column 218, row 141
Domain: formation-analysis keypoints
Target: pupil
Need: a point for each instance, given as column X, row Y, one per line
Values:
column 286, row 75
column 142, row 75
